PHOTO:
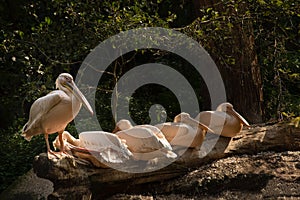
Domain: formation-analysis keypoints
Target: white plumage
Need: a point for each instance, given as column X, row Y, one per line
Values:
column 99, row 147
column 184, row 131
column 107, row 145
column 53, row 112
column 146, row 142
column 224, row 120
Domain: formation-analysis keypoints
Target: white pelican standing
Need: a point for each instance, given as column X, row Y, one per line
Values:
column 184, row 131
column 224, row 120
column 52, row 113
column 146, row 142
column 99, row 147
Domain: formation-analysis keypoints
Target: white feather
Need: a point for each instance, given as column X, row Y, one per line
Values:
column 109, row 146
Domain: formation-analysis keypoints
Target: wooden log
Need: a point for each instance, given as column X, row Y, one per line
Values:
column 278, row 137
column 69, row 172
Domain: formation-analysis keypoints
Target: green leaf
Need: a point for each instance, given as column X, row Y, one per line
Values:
column 262, row 2
column 230, row 25
column 48, row 20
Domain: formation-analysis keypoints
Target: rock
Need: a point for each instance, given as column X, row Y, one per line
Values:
column 64, row 172
column 239, row 166
column 28, row 186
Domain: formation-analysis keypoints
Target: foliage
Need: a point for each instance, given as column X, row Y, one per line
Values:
column 17, row 154
column 275, row 25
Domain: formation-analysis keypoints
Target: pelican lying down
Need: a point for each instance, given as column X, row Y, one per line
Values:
column 184, row 131
column 99, row 147
column 146, row 142
column 224, row 120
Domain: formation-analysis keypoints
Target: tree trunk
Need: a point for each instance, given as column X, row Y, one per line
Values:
column 234, row 53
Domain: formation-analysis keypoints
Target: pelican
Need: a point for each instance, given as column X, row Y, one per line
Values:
column 184, row 131
column 99, row 147
column 52, row 113
column 146, row 142
column 224, row 120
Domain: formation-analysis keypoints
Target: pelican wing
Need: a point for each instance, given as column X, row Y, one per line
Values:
column 105, row 146
column 43, row 104
column 171, row 130
column 215, row 120
column 178, row 133
column 159, row 134
column 38, row 109
column 140, row 139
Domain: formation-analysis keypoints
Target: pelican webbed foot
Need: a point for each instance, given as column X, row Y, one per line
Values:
column 58, row 155
column 52, row 154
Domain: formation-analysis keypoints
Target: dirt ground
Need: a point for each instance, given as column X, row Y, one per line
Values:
column 268, row 175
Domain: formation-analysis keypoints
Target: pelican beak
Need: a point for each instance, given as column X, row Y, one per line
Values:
column 199, row 124
column 116, row 129
column 202, row 126
column 74, row 89
column 242, row 119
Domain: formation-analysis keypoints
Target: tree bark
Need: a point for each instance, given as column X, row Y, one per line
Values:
column 242, row 77
column 72, row 179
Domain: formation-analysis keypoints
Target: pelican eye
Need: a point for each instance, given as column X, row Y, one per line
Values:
column 68, row 79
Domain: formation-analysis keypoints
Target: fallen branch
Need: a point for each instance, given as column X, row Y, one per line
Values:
column 72, row 174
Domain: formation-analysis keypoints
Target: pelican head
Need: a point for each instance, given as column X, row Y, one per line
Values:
column 228, row 108
column 65, row 83
column 121, row 125
column 182, row 117
column 186, row 118
column 224, row 107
